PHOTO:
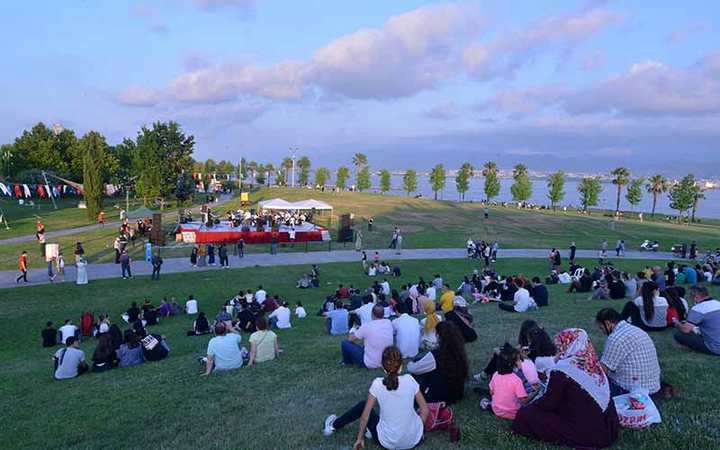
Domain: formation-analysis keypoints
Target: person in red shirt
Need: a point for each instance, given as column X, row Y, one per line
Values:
column 101, row 218
column 39, row 227
column 23, row 267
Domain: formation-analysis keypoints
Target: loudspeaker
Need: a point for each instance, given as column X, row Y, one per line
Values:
column 346, row 221
column 157, row 236
column 345, row 235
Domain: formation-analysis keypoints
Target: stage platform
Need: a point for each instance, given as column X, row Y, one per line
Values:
column 225, row 233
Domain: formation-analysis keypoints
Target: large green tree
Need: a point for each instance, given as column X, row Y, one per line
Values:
column 589, row 189
column 656, row 185
column 385, row 178
column 167, row 143
column 556, row 188
column 521, row 188
column 341, row 177
column 410, row 181
column 304, row 166
column 93, row 148
column 322, row 174
column 462, row 179
column 683, row 195
column 620, row 178
column 437, row 179
column 635, row 192
column 492, row 183
column 363, row 179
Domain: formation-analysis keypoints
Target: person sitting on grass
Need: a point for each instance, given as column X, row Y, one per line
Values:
column 442, row 372
column 616, row 288
column 428, row 325
column 103, row 358
column 337, row 319
column 398, row 426
column 263, row 343
column 69, row 361
column 407, row 334
column 280, row 317
column 155, row 347
column 506, row 387
column 49, row 335
column 68, row 330
column 629, row 359
column 539, row 292
column 130, row 352
column 522, row 301
column 133, row 313
column 376, row 336
column 461, row 317
column 300, row 311
column 576, row 409
column 584, row 284
column 200, row 326
column 223, row 351
column 701, row 331
column 535, row 346
column 247, row 315
column 649, row 311
column 677, row 305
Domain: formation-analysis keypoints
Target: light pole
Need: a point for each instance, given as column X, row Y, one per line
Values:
column 293, row 154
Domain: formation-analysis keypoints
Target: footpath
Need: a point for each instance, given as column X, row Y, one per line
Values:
column 177, row 265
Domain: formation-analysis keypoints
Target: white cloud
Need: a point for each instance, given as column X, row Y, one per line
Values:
column 139, row 96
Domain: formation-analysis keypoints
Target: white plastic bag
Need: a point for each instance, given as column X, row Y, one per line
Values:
column 636, row 410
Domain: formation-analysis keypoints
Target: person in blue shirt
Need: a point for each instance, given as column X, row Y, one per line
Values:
column 690, row 275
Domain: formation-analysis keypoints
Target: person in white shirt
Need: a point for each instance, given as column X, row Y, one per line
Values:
column 191, row 305
column 372, row 271
column 364, row 313
column 280, row 318
column 260, row 295
column 376, row 336
column 223, row 351
column 431, row 293
column 521, row 300
column 385, row 286
column 67, row 330
column 407, row 335
column 300, row 311
column 398, row 426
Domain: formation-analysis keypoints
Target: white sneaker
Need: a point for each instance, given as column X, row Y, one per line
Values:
column 368, row 434
column 328, row 429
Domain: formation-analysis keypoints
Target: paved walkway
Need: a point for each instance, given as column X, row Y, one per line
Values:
column 175, row 265
column 97, row 226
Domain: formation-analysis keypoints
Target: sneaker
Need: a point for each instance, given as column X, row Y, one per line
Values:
column 485, row 404
column 482, row 376
column 328, row 428
column 368, row 434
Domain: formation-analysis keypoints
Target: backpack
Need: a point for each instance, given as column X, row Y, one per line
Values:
column 441, row 417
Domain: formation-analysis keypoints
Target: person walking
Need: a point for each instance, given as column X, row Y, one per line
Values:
column 241, row 248
column 358, row 240
column 398, row 243
column 23, row 267
column 125, row 265
column 223, row 254
column 101, row 219
column 573, row 250
column 157, row 263
column 370, row 224
column 81, row 268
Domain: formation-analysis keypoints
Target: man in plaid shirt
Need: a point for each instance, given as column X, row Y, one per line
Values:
column 629, row 359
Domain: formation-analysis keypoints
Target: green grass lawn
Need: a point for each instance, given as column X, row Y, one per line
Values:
column 280, row 404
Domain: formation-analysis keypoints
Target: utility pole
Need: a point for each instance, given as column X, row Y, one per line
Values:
column 293, row 151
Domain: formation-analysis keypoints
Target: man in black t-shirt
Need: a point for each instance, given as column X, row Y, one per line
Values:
column 49, row 335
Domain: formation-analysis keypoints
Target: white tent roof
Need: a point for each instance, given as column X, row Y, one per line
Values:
column 280, row 204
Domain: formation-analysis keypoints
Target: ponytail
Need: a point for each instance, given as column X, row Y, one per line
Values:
column 392, row 363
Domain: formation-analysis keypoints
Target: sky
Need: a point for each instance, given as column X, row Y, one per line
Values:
column 576, row 85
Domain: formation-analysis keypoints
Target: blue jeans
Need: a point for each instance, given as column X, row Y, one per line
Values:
column 352, row 353
column 693, row 341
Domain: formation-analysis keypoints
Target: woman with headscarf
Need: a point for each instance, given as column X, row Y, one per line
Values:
column 576, row 409
column 428, row 338
column 461, row 316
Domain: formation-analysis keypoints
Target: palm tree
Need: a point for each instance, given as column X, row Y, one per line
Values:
column 359, row 160
column 621, row 177
column 656, row 185
column 287, row 165
column 270, row 168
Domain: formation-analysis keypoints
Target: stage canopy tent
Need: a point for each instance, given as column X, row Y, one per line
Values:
column 140, row 213
column 283, row 205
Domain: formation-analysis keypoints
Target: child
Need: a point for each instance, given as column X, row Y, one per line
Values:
column 61, row 264
column 300, row 311
column 506, row 388
column 376, row 258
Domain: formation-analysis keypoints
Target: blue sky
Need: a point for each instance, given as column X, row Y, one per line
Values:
column 583, row 85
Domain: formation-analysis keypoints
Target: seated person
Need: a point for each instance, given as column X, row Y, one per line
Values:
column 223, row 351
column 155, row 347
column 200, row 326
column 69, row 361
column 175, row 308
column 428, row 326
column 615, row 286
column 377, row 334
column 191, row 306
column 462, row 318
column 508, row 289
column 247, row 316
column 703, row 317
column 280, row 317
column 130, row 352
column 151, row 316
column 649, row 311
column 164, row 309
column 507, row 391
column 629, row 359
column 522, row 301
column 104, row 355
column 223, row 316
column 337, row 319
column 584, row 284
column 303, row 282
column 407, row 335
column 539, row 292
column 364, row 313
column 67, row 330
column 263, row 343
column 49, row 335
column 300, row 311
column 133, row 313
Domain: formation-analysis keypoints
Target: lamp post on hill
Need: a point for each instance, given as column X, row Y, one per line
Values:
column 293, row 155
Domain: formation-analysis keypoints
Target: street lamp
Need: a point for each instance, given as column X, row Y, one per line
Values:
column 293, row 154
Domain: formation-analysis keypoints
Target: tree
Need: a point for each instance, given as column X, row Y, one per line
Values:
column 147, row 169
column 363, row 179
column 7, row 159
column 589, row 189
column 437, row 179
column 683, row 195
column 556, row 188
column 172, row 148
column 261, row 174
column 384, row 181
column 634, row 192
column 287, row 165
column 621, row 177
column 185, row 187
column 93, row 148
column 521, row 188
column 657, row 184
column 341, row 177
column 270, row 170
column 321, row 176
column 304, row 166
column 410, row 181
column 462, row 179
column 492, row 184
column 699, row 195
column 359, row 160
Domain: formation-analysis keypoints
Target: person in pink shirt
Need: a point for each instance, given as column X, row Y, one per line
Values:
column 506, row 388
